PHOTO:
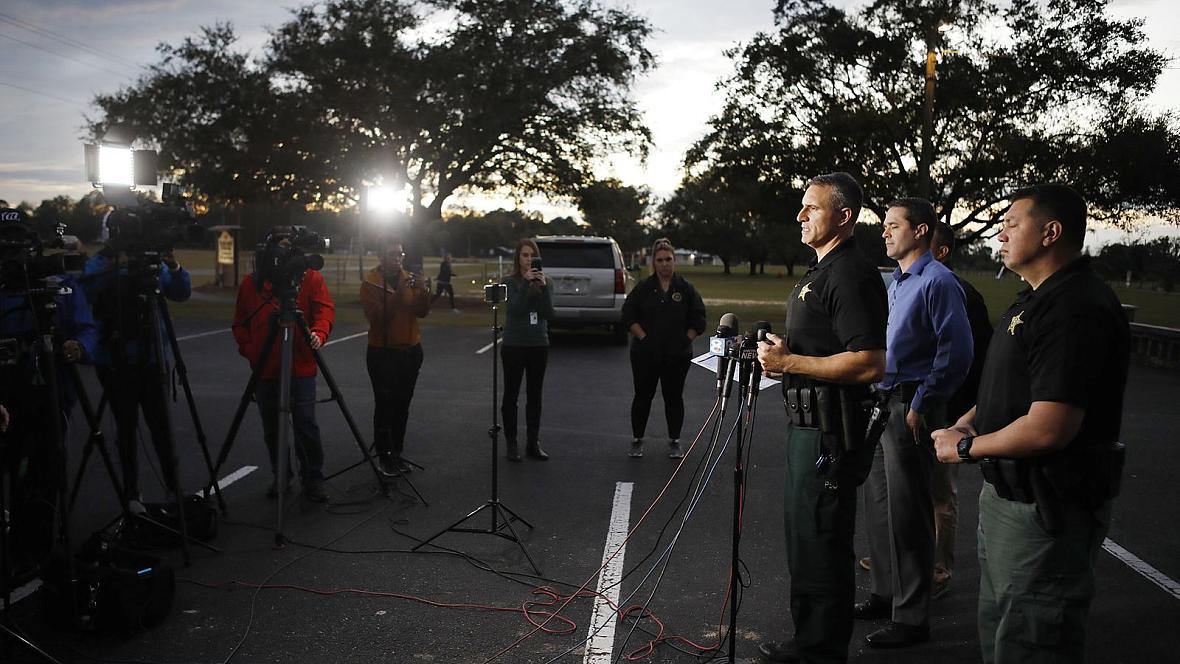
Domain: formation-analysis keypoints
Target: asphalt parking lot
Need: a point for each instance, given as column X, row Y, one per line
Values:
column 346, row 588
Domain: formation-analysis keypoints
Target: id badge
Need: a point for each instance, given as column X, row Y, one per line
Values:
column 532, row 318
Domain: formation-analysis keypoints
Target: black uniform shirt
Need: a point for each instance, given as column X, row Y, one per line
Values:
column 666, row 316
column 839, row 305
column 981, row 335
column 1067, row 341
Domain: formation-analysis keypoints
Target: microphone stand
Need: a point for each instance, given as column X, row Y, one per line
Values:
column 749, row 376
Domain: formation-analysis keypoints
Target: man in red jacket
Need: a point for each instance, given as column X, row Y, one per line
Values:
column 256, row 307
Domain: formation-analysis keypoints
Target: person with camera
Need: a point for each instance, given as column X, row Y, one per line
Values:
column 525, row 347
column 32, row 461
column 664, row 314
column 257, row 309
column 832, row 351
column 122, row 285
column 1045, row 431
column 393, row 299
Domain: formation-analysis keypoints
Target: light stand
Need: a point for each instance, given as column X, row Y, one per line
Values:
column 501, row 515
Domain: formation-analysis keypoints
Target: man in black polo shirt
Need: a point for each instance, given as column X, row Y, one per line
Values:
column 1046, row 427
column 834, row 348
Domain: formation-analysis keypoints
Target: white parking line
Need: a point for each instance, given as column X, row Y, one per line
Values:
column 485, row 349
column 1139, row 565
column 601, row 639
column 202, row 334
column 348, row 338
column 235, row 476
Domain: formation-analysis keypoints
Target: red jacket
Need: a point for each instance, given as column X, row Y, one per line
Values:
column 252, row 323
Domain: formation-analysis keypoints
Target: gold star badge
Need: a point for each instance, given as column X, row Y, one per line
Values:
column 803, row 293
column 1014, row 322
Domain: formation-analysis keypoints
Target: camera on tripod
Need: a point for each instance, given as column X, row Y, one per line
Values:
column 150, row 228
column 286, row 253
column 495, row 293
column 25, row 261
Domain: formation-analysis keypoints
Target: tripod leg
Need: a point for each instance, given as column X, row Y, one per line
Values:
column 96, row 441
column 240, row 413
column 163, row 428
column 182, row 372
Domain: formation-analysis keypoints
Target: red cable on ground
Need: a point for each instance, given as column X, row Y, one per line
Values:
column 630, row 533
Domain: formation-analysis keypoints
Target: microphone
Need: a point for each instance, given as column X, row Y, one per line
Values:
column 719, row 345
column 727, row 326
column 761, row 329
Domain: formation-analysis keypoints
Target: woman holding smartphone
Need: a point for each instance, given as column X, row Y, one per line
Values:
column 525, row 347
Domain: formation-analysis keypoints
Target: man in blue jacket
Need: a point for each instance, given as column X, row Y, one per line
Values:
column 34, row 467
column 120, row 291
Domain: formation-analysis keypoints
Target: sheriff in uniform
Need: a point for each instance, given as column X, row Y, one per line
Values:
column 1046, row 428
column 833, row 350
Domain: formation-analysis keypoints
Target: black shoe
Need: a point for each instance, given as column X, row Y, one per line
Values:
column 512, row 450
column 779, row 652
column 403, row 466
column 898, row 635
column 388, row 465
column 873, row 608
column 674, row 449
column 534, row 450
column 636, row 449
column 314, row 491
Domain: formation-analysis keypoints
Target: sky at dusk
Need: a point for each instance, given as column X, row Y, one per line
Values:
column 55, row 55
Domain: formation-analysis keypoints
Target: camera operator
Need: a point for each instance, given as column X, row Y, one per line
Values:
column 394, row 299
column 257, row 305
column 33, row 463
column 116, row 284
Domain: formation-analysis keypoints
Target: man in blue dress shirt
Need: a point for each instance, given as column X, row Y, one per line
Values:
column 928, row 352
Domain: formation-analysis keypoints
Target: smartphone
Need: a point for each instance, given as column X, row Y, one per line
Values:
column 536, row 262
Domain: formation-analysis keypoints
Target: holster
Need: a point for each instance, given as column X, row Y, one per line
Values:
column 1088, row 477
column 835, row 411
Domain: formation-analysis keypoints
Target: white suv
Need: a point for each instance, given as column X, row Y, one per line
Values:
column 590, row 281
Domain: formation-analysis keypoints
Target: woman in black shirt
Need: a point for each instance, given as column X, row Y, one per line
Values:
column 664, row 313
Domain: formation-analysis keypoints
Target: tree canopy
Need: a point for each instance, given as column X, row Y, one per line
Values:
column 512, row 96
column 612, row 209
column 1026, row 91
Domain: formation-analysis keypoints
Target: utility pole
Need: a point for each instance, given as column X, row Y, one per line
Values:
column 927, row 156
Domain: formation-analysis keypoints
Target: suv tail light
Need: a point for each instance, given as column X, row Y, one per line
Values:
column 620, row 283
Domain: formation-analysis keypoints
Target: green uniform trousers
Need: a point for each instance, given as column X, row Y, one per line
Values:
column 820, row 521
column 1035, row 588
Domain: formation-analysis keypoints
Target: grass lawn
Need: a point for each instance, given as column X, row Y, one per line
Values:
column 751, row 298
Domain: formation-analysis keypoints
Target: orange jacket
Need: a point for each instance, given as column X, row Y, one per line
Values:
column 393, row 312
column 252, row 323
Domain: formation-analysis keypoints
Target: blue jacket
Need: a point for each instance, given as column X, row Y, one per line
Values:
column 100, row 285
column 72, row 320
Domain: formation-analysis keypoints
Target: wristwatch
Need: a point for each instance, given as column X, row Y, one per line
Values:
column 964, row 448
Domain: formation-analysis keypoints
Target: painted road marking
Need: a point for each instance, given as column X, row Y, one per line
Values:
column 1139, row 565
column 486, row 348
column 601, row 639
column 202, row 334
column 348, row 338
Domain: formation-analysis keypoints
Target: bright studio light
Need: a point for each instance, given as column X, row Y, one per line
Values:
column 115, row 166
column 384, row 202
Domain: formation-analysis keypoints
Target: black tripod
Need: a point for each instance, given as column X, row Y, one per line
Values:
column 155, row 330
column 286, row 322
column 43, row 305
column 501, row 515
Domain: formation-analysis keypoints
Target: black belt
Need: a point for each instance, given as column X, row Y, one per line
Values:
column 902, row 391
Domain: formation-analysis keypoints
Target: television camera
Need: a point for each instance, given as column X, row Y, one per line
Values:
column 285, row 254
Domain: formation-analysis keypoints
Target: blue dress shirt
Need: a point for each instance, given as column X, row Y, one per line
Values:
column 928, row 339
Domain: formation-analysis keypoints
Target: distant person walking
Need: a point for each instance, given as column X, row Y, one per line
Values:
column 525, row 349
column 664, row 314
column 442, row 283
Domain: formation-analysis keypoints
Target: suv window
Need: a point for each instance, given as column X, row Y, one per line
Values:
column 577, row 254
